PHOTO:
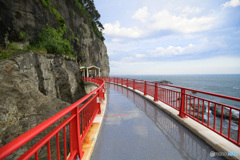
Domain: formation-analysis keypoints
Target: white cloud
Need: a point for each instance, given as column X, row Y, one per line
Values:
column 117, row 30
column 160, row 21
column 128, row 59
column 141, row 14
column 116, row 40
column 140, row 55
column 170, row 51
column 191, row 10
column 213, row 65
column 232, row 3
column 164, row 20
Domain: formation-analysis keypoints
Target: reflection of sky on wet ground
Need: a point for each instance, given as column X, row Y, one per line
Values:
column 144, row 132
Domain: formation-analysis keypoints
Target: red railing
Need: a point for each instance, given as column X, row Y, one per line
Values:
column 216, row 116
column 78, row 119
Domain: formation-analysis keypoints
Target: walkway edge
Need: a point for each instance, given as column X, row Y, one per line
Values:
column 92, row 135
column 216, row 141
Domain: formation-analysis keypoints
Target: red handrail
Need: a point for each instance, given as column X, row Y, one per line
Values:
column 190, row 105
column 74, row 121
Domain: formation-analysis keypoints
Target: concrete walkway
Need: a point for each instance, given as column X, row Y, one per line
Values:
column 135, row 129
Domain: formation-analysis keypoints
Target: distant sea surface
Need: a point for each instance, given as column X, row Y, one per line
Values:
column 221, row 84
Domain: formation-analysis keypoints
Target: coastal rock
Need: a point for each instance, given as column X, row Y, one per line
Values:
column 226, row 113
column 34, row 87
column 164, row 82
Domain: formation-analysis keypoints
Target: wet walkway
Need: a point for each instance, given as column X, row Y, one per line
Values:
column 134, row 129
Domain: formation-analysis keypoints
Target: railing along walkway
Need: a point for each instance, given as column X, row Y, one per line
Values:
column 221, row 118
column 78, row 119
column 135, row 128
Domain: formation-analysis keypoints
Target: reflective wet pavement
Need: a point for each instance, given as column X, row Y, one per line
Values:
column 134, row 129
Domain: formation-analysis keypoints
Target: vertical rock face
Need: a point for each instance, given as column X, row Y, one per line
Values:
column 34, row 87
column 101, row 59
column 53, row 75
column 21, row 21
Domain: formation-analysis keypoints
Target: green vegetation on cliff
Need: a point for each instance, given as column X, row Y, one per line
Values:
column 91, row 16
column 9, row 50
column 60, row 27
column 45, row 3
column 52, row 41
column 60, row 39
column 87, row 10
column 4, row 55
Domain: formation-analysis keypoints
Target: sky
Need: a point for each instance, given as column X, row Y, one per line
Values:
column 159, row 37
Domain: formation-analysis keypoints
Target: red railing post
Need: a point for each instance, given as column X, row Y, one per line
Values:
column 127, row 82
column 182, row 106
column 101, row 94
column 114, row 80
column 98, row 101
column 117, row 80
column 122, row 81
column 134, row 84
column 156, row 92
column 75, row 134
column 145, row 88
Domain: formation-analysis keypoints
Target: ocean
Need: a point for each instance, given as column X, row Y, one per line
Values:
column 227, row 84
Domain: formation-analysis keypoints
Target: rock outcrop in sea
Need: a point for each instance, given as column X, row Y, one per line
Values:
column 164, row 82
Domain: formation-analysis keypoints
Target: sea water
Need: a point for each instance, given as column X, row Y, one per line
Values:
column 227, row 84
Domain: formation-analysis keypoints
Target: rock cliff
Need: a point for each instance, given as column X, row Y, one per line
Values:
column 21, row 21
column 34, row 87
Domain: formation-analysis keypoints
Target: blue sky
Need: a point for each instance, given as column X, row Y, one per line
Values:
column 171, row 37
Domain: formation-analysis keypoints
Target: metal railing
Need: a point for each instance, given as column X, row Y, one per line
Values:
column 224, row 119
column 78, row 119
column 182, row 141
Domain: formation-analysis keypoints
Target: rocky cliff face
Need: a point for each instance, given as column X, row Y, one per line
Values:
column 34, row 87
column 54, row 76
column 21, row 21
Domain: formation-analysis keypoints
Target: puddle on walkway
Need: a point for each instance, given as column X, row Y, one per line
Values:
column 145, row 132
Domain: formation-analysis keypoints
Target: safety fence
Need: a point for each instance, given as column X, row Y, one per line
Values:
column 182, row 141
column 219, row 117
column 73, row 123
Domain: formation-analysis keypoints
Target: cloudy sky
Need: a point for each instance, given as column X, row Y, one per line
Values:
column 171, row 37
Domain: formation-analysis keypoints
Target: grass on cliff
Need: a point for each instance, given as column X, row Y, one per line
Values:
column 53, row 42
column 4, row 55
column 49, row 40
column 46, row 3
column 89, row 14
column 8, row 51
